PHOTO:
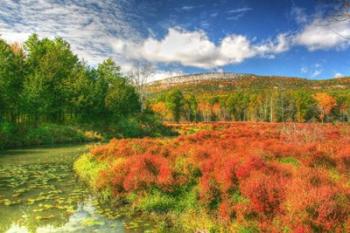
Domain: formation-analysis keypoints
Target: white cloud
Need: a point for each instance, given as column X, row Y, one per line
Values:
column 12, row 36
column 304, row 70
column 187, row 8
column 316, row 73
column 236, row 14
column 324, row 34
column 299, row 14
column 89, row 26
column 162, row 74
column 235, row 17
column 194, row 48
column 312, row 71
column 338, row 75
column 240, row 10
column 100, row 29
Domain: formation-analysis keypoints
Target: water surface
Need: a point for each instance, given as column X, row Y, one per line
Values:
column 40, row 193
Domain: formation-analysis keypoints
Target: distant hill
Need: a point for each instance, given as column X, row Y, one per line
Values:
column 215, row 83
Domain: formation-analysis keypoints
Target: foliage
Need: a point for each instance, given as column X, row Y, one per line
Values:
column 249, row 102
column 89, row 169
column 175, row 103
column 45, row 83
column 326, row 103
column 291, row 178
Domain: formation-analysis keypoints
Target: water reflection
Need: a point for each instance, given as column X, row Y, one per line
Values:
column 84, row 219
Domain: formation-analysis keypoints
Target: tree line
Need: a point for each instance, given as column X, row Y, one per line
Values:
column 271, row 105
column 43, row 81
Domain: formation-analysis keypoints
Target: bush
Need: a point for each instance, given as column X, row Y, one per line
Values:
column 144, row 124
column 89, row 171
column 7, row 134
column 239, row 177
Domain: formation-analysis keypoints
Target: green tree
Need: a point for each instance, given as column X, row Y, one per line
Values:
column 191, row 108
column 121, row 98
column 11, row 80
column 305, row 106
column 175, row 103
column 237, row 104
column 51, row 63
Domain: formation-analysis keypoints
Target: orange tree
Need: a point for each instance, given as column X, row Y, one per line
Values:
column 325, row 103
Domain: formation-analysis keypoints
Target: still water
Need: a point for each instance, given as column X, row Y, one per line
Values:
column 40, row 193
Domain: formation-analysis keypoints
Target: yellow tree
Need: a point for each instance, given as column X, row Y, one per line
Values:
column 205, row 108
column 162, row 110
column 325, row 103
column 216, row 110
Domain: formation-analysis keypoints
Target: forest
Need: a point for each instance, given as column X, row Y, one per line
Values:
column 48, row 95
column 249, row 104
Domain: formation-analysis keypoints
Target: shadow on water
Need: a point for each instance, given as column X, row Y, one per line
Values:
column 42, row 149
column 40, row 193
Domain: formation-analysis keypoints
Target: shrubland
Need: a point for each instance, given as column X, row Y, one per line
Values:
column 231, row 177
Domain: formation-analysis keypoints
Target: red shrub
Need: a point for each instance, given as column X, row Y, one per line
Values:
column 225, row 211
column 146, row 170
column 250, row 164
column 343, row 158
column 266, row 193
column 313, row 200
column 302, row 229
column 279, row 175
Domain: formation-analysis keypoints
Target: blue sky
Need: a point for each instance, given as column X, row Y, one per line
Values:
column 276, row 37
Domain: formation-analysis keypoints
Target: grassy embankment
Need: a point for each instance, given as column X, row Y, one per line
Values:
column 14, row 136
column 46, row 134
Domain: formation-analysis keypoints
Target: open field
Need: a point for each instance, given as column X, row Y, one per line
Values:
column 231, row 177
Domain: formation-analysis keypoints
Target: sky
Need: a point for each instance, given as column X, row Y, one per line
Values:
column 299, row 38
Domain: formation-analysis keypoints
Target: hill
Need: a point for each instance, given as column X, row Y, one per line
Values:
column 226, row 82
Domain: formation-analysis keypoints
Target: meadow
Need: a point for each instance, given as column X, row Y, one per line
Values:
column 230, row 177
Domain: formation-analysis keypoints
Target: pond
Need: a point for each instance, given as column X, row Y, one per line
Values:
column 40, row 193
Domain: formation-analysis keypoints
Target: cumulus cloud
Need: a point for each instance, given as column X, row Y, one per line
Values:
column 194, row 48
column 323, row 34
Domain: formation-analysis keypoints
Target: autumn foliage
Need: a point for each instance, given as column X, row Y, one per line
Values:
column 279, row 177
column 326, row 103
